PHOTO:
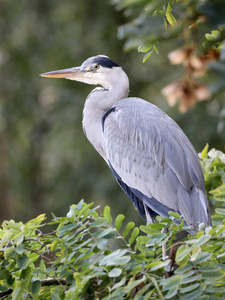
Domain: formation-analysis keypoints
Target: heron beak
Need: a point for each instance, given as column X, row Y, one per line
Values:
column 71, row 73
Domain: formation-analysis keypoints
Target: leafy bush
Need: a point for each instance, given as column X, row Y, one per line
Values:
column 87, row 256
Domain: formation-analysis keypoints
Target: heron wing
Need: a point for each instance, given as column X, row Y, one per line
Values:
column 153, row 160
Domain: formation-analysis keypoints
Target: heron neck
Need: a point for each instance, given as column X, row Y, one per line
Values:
column 96, row 105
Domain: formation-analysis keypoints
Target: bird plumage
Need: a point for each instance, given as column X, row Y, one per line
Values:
column 148, row 153
column 158, row 167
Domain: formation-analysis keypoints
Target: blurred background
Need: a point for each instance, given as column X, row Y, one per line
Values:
column 46, row 163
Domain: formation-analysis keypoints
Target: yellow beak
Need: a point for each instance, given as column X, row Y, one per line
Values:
column 71, row 73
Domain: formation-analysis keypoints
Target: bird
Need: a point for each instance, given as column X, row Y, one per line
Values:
column 150, row 156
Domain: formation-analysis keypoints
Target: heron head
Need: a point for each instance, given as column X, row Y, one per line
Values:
column 95, row 70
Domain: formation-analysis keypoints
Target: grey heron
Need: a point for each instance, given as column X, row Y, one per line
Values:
column 150, row 156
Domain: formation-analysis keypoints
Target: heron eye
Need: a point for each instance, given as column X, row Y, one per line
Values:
column 96, row 67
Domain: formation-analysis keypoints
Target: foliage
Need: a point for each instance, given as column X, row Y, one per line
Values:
column 87, row 256
column 213, row 165
column 199, row 29
column 170, row 19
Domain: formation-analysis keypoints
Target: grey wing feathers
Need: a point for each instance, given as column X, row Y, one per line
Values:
column 151, row 154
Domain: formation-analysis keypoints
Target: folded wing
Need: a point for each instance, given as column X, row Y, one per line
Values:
column 153, row 161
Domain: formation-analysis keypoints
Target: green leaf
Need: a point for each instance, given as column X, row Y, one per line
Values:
column 154, row 281
column 103, row 233
column 213, row 276
column 156, row 239
column 189, row 288
column 66, row 228
column 187, row 268
column 4, row 274
column 118, row 261
column 133, row 235
column 117, row 294
column 143, row 290
column 147, row 55
column 120, row 283
column 171, row 282
column 17, row 293
column 204, row 153
column 103, row 244
column 209, row 268
column 220, row 197
column 36, row 287
column 145, row 47
column 119, row 221
column 25, row 277
column 54, row 244
column 42, row 266
column 195, row 253
column 127, row 229
column 203, row 256
column 195, row 294
column 155, row 48
column 214, row 36
column 55, row 293
column 35, row 223
column 174, row 214
column 22, row 261
column 99, row 222
column 74, row 209
column 182, row 255
column 158, row 264
column 220, row 211
column 203, row 239
column 115, row 272
column 133, row 283
column 191, row 279
column 9, row 252
column 115, row 258
column 19, row 239
column 20, row 249
column 107, row 214
column 169, row 16
column 172, row 292
column 218, row 190
column 152, row 228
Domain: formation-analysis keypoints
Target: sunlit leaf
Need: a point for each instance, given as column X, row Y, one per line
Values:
column 133, row 235
column 170, row 18
column 152, row 228
column 17, row 293
column 182, row 255
column 115, row 272
column 119, row 221
column 107, row 214
column 145, row 47
column 158, row 265
column 174, row 214
column 203, row 239
column 204, row 153
column 127, row 229
column 147, row 55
